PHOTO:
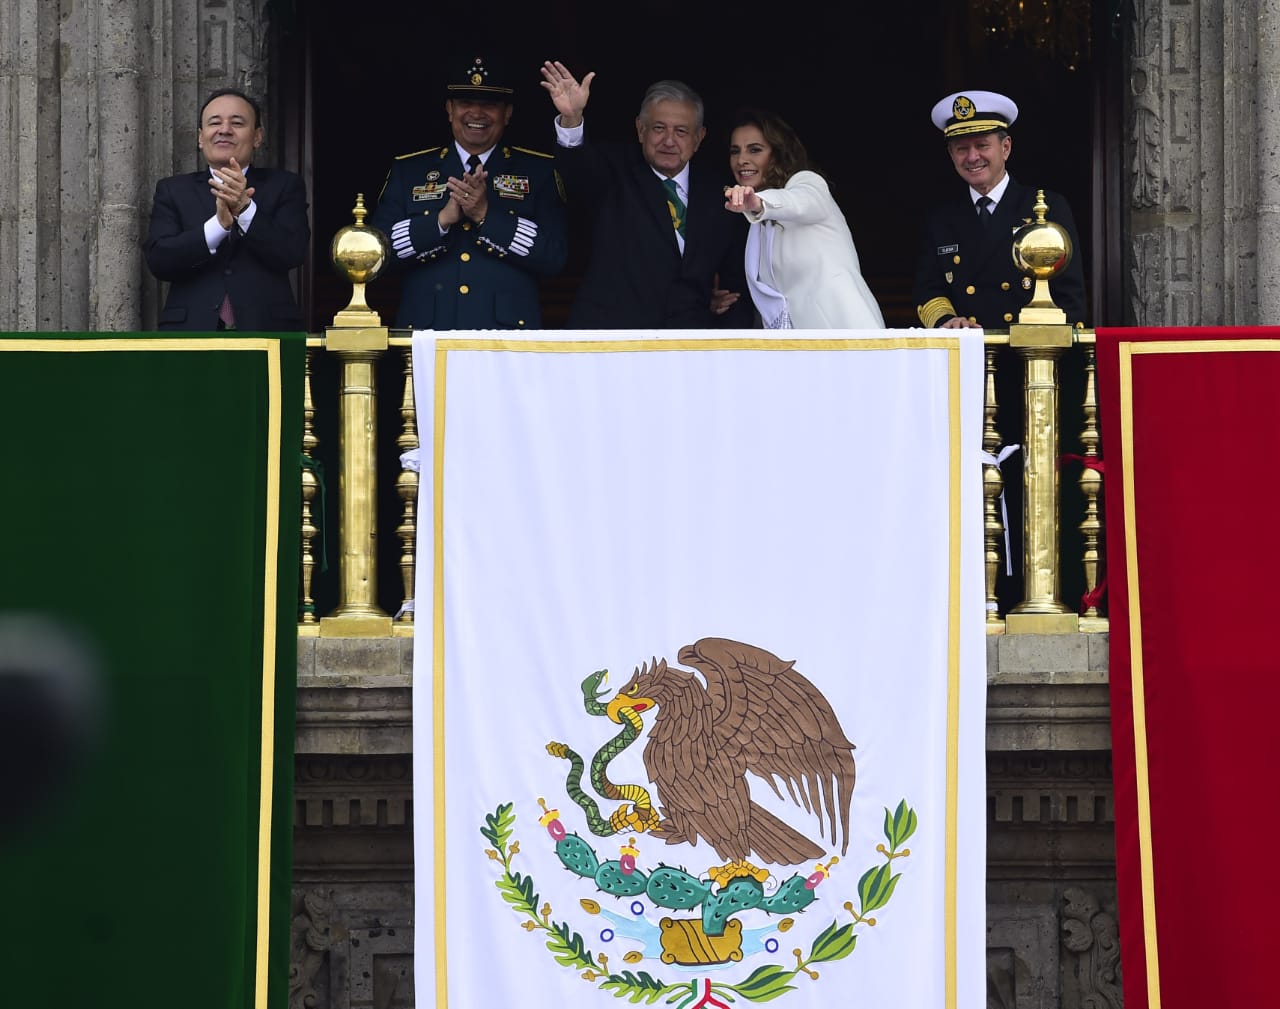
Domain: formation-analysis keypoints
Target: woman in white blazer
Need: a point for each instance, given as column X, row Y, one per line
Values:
column 802, row 267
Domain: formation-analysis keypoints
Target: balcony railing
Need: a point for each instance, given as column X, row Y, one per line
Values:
column 1035, row 537
column 371, row 485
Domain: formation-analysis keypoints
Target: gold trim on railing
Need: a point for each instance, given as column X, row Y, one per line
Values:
column 992, row 488
column 1091, row 484
column 310, row 484
column 407, row 488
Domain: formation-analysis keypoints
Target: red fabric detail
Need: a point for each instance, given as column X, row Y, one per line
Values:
column 226, row 313
column 1094, row 596
column 1209, row 662
column 1090, row 461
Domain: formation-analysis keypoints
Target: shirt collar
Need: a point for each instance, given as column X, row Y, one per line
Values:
column 484, row 155
column 996, row 194
column 681, row 179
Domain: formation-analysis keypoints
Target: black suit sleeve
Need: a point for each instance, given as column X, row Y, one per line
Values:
column 931, row 292
column 174, row 246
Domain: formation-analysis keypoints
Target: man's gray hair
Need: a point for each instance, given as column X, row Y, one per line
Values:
column 671, row 91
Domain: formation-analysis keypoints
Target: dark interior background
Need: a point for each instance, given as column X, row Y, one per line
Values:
column 857, row 81
column 353, row 88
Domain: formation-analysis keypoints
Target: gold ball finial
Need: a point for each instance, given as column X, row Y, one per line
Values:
column 359, row 253
column 1042, row 250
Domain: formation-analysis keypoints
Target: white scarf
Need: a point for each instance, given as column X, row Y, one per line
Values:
column 770, row 302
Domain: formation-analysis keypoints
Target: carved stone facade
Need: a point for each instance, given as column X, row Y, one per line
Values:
column 1204, row 108
column 99, row 98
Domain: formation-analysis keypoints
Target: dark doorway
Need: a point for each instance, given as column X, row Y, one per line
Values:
column 357, row 88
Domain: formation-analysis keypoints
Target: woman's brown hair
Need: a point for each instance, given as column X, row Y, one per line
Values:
column 788, row 155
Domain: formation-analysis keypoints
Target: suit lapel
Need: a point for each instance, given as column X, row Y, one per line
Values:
column 200, row 193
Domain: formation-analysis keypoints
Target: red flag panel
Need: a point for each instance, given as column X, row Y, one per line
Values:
column 1191, row 437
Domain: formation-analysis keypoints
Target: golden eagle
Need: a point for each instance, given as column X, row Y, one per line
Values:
column 755, row 713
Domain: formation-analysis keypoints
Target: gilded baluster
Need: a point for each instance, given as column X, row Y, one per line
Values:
column 992, row 488
column 1042, row 334
column 358, row 339
column 1091, row 481
column 407, row 488
column 309, row 486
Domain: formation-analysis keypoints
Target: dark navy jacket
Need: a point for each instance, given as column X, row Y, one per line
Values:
column 972, row 269
column 475, row 277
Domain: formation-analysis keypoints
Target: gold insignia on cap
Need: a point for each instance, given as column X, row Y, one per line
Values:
column 477, row 78
column 962, row 108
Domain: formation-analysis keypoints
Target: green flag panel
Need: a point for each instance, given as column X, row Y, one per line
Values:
column 149, row 504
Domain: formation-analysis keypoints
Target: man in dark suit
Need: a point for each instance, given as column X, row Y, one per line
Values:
column 225, row 238
column 661, row 235
column 965, row 273
column 473, row 225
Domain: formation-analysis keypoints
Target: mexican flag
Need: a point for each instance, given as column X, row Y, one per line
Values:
column 699, row 683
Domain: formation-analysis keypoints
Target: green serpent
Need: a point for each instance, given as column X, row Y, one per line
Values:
column 636, row 814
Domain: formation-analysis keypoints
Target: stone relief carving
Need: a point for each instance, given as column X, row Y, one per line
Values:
column 1038, row 788
column 1000, row 979
column 310, row 947
column 1144, row 78
column 343, row 791
column 1091, row 951
column 1146, row 278
column 380, row 968
column 233, row 45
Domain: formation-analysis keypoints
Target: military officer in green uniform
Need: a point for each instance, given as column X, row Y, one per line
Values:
column 965, row 274
column 473, row 225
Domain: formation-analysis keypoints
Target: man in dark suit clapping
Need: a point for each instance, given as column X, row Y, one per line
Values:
column 661, row 236
column 226, row 237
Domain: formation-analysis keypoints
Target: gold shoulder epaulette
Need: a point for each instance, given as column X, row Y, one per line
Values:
column 536, row 154
column 401, row 157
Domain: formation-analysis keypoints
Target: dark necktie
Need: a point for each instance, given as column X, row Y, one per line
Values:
column 984, row 212
column 226, row 313
column 675, row 205
column 473, row 163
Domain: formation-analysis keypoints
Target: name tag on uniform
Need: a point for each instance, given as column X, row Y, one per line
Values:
column 431, row 191
column 946, row 250
column 512, row 187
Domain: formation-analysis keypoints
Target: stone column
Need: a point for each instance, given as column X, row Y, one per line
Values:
column 24, row 67
column 113, row 300
column 1267, row 165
